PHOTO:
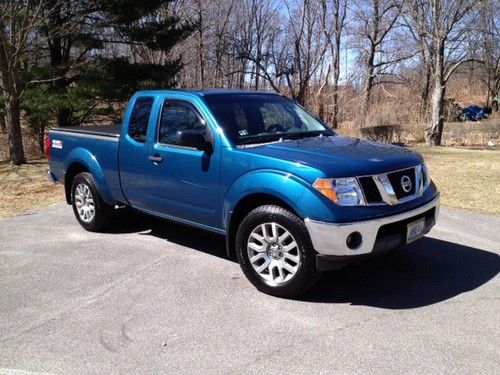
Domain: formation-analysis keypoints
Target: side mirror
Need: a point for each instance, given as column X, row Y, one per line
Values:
column 192, row 138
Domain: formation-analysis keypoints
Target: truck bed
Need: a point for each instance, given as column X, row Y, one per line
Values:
column 96, row 147
column 100, row 130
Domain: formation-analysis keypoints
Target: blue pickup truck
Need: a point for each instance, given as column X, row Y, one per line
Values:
column 291, row 197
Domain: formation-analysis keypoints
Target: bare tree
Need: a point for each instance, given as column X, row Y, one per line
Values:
column 333, row 19
column 18, row 20
column 207, row 55
column 444, row 26
column 255, row 34
column 422, row 72
column 222, row 20
column 489, row 47
column 339, row 13
column 377, row 19
column 200, row 47
column 310, row 47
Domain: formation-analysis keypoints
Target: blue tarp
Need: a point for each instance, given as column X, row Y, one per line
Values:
column 473, row 113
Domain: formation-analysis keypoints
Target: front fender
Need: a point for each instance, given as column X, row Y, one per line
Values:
column 294, row 191
column 89, row 161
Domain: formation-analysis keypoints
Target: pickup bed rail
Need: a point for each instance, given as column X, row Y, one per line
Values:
column 100, row 130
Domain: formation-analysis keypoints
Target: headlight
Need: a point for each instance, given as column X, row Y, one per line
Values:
column 342, row 191
column 426, row 178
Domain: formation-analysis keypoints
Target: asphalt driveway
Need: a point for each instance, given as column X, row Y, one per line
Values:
column 155, row 297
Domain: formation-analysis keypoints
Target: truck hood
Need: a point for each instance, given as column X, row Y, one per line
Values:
column 339, row 156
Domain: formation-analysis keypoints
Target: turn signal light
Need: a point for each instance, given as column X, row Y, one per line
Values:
column 324, row 186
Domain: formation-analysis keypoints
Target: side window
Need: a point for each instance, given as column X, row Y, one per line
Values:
column 177, row 116
column 139, row 119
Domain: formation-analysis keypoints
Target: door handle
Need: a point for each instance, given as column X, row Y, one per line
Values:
column 155, row 158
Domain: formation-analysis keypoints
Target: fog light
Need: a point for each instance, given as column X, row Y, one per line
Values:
column 354, row 240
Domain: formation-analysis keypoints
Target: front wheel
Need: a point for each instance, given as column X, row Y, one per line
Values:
column 90, row 210
column 275, row 252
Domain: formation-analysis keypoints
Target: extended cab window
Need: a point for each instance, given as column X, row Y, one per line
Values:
column 139, row 119
column 175, row 116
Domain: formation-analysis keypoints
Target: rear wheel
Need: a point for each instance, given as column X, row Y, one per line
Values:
column 90, row 210
column 275, row 252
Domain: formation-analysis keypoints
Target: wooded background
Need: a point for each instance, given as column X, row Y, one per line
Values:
column 357, row 63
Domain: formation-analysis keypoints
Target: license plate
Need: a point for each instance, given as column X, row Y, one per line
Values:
column 415, row 230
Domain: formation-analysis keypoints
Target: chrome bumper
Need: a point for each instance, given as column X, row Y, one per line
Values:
column 330, row 238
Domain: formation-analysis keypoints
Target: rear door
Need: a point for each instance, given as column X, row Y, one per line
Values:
column 183, row 181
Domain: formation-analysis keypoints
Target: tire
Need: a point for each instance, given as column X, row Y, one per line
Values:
column 283, row 259
column 90, row 210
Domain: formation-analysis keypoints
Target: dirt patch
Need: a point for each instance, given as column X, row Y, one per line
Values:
column 26, row 187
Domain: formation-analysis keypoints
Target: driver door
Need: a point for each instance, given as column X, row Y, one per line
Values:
column 183, row 181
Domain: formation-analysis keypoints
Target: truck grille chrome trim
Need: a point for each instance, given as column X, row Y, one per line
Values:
column 385, row 188
column 389, row 192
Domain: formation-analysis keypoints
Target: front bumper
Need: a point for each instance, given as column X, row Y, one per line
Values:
column 378, row 235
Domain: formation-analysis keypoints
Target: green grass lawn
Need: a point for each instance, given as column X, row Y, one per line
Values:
column 468, row 179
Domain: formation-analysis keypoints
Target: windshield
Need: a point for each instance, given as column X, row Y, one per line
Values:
column 257, row 118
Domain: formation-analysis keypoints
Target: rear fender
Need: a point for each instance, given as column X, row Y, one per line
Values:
column 89, row 161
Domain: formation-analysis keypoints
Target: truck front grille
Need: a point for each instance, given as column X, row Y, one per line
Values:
column 372, row 195
column 395, row 179
column 389, row 188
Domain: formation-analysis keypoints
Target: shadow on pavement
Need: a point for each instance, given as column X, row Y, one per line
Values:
column 129, row 221
column 420, row 274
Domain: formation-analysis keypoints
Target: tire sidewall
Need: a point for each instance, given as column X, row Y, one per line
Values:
column 305, row 276
column 88, row 180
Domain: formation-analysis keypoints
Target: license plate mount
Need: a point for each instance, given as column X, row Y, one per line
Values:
column 415, row 230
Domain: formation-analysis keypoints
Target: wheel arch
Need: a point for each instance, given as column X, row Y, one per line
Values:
column 242, row 208
column 82, row 160
column 74, row 169
column 269, row 186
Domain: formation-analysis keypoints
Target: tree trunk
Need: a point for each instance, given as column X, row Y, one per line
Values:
column 339, row 14
column 64, row 117
column 321, row 111
column 336, row 76
column 435, row 130
column 367, row 92
column 302, row 93
column 424, row 91
column 41, row 139
column 241, row 77
column 13, row 117
column 201, row 47
column 3, row 126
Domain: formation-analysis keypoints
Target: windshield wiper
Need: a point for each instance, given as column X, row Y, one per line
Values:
column 263, row 138
column 299, row 135
column 260, row 139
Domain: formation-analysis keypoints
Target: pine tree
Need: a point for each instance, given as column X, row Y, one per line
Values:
column 91, row 43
